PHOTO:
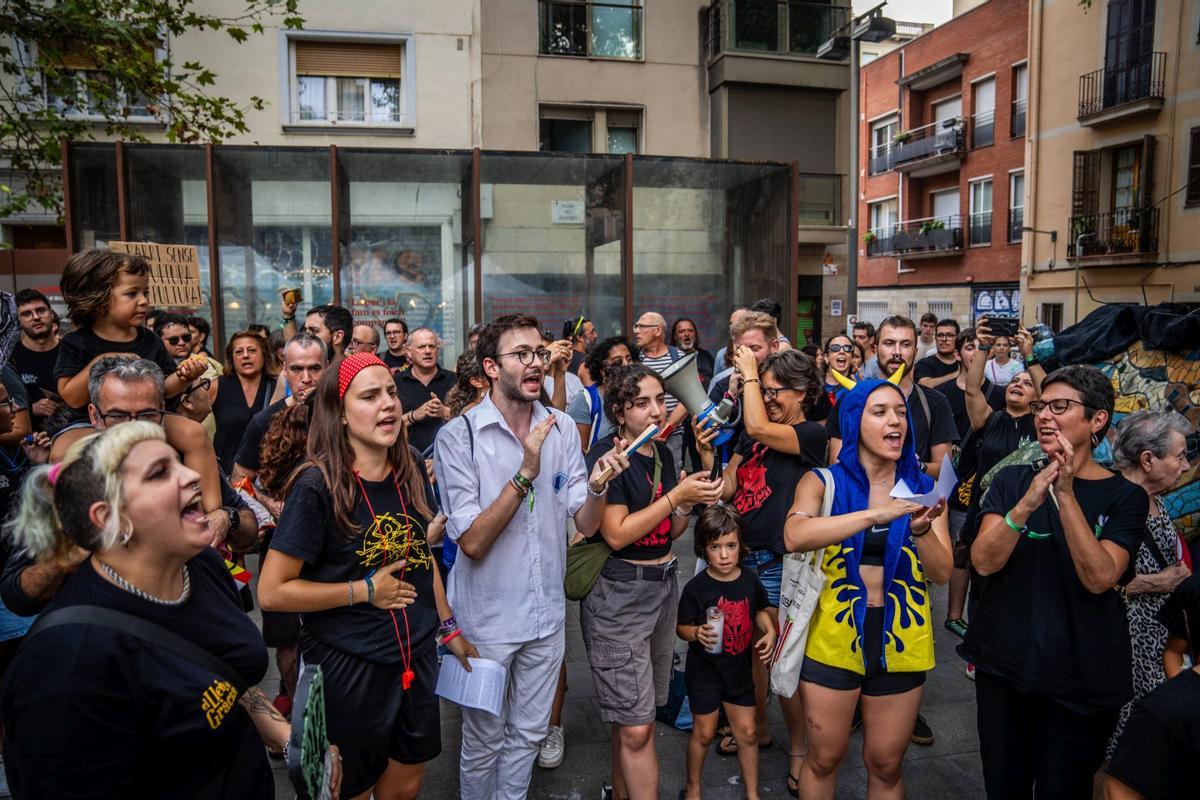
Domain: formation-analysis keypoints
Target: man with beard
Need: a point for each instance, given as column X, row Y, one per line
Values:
column 423, row 388
column 510, row 472
column 34, row 356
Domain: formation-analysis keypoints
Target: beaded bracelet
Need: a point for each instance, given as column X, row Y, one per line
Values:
column 350, row 586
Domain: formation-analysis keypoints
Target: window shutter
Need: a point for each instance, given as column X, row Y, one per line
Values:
column 67, row 57
column 349, row 59
column 1085, row 183
column 1191, row 197
column 1146, row 174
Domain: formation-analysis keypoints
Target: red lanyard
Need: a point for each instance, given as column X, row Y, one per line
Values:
column 406, row 678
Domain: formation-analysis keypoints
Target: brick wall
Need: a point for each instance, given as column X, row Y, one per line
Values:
column 994, row 36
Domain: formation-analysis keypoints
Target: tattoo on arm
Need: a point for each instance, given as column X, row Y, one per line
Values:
column 256, row 701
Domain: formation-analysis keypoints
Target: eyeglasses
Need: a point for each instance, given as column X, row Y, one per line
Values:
column 355, row 343
column 183, row 338
column 770, row 394
column 10, row 404
column 203, row 383
column 840, row 348
column 526, row 356
column 120, row 417
column 1057, row 407
column 944, row 335
column 640, row 326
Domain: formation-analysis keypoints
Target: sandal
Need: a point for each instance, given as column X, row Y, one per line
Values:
column 727, row 746
column 793, row 781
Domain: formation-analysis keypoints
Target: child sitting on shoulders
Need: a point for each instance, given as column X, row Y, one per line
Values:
column 108, row 299
column 725, row 677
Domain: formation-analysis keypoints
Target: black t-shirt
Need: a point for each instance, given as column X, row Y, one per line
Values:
column 414, row 394
column 36, row 369
column 394, row 362
column 933, row 367
column 937, row 428
column 248, row 454
column 92, row 712
column 80, row 346
column 1158, row 754
column 1001, row 435
column 577, row 359
column 766, row 483
column 957, row 398
column 1180, row 614
column 632, row 489
column 741, row 599
column 307, row 531
column 1035, row 623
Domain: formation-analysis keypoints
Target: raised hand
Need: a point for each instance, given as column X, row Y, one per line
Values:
column 531, row 464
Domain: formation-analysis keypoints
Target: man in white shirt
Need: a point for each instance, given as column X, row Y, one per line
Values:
column 926, row 339
column 510, row 473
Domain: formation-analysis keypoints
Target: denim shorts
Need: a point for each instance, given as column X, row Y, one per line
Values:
column 12, row 626
column 769, row 566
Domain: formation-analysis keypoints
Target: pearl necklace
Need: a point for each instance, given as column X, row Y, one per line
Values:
column 135, row 591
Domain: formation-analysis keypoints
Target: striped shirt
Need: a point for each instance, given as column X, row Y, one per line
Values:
column 659, row 364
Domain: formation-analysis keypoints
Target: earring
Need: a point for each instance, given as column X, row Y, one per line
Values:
column 126, row 535
column 1095, row 440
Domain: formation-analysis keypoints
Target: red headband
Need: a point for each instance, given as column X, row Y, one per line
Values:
column 351, row 365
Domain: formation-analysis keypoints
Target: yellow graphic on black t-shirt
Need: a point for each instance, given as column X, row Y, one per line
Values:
column 391, row 538
column 217, row 701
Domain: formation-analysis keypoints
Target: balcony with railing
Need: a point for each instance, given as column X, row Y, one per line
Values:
column 918, row 238
column 1124, row 235
column 1017, row 127
column 930, row 149
column 776, row 27
column 1120, row 91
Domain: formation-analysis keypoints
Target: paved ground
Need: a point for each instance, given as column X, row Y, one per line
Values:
column 948, row 768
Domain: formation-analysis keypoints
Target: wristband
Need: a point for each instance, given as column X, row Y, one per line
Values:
column 519, row 489
column 450, row 636
column 1031, row 359
column 600, row 495
column 448, row 624
column 350, row 586
column 751, row 380
column 679, row 512
column 984, row 349
column 670, row 501
column 523, row 481
column 1019, row 529
column 370, row 589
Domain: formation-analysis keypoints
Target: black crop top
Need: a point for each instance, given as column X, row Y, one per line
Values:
column 874, row 543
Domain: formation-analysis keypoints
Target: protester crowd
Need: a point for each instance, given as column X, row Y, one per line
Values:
column 404, row 513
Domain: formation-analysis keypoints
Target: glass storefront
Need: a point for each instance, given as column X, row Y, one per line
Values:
column 392, row 232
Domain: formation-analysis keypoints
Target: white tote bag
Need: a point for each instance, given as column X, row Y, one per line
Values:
column 801, row 586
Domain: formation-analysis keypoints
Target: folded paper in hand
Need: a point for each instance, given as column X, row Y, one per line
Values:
column 483, row 687
column 941, row 488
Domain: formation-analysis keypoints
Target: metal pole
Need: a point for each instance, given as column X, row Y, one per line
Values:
column 1078, row 253
column 852, row 226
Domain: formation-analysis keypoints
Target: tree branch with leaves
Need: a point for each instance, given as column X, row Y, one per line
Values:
column 71, row 69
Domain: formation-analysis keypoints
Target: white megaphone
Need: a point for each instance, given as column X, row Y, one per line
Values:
column 683, row 381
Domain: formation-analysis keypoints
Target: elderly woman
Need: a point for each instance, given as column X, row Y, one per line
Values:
column 1151, row 451
column 146, row 717
column 1048, row 638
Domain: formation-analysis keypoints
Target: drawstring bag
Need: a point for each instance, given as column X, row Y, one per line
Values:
column 801, row 585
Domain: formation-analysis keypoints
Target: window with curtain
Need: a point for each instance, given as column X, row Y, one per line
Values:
column 352, row 82
column 1016, row 205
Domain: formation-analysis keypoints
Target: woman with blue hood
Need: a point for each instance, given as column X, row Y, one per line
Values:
column 871, row 635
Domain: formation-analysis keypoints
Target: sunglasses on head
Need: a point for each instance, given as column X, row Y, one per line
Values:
column 183, row 338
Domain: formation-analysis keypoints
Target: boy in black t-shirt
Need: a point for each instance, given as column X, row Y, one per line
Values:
column 725, row 678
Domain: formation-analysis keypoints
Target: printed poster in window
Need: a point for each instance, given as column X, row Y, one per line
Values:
column 395, row 271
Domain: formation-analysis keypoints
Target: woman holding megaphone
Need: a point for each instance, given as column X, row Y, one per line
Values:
column 628, row 617
column 778, row 446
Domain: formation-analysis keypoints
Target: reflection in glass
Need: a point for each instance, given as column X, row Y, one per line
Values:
column 552, row 228
column 94, row 195
column 312, row 97
column 622, row 140
column 708, row 235
column 616, row 32
column 405, row 246
column 167, row 203
column 273, row 221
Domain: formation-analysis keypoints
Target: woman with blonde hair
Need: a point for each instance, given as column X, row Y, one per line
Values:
column 105, row 660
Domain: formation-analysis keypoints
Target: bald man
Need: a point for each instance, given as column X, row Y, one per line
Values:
column 650, row 333
column 363, row 339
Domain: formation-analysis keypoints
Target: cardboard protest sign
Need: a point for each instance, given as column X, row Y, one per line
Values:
column 174, row 272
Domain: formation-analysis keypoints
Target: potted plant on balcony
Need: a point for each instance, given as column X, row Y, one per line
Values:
column 932, row 225
column 902, row 137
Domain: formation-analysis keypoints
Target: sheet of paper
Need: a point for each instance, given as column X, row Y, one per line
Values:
column 483, row 687
column 941, row 488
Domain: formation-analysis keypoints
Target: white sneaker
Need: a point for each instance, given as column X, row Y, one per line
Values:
column 553, row 749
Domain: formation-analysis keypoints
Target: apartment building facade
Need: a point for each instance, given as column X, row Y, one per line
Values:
column 942, row 128
column 1113, row 157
